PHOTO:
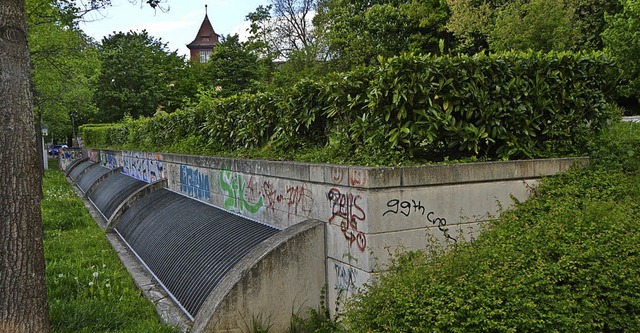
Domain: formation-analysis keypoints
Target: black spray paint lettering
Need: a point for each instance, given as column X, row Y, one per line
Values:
column 407, row 208
column 404, row 207
column 345, row 278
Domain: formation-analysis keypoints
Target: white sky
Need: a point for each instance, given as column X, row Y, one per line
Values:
column 178, row 26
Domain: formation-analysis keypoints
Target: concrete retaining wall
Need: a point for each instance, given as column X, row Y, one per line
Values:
column 369, row 212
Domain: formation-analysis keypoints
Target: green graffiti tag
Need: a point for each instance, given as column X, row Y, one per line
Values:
column 235, row 187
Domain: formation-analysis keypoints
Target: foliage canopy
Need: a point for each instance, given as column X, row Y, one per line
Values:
column 409, row 108
column 138, row 77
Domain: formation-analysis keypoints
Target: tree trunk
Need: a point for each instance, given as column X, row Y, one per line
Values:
column 23, row 298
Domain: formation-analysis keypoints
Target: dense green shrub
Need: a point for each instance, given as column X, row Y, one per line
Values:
column 567, row 260
column 621, row 39
column 618, row 148
column 410, row 107
column 103, row 135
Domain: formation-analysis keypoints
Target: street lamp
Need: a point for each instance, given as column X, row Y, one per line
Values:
column 45, row 159
column 73, row 128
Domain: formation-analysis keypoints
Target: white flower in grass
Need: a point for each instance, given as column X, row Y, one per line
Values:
column 90, row 283
column 60, row 275
column 95, row 274
column 108, row 285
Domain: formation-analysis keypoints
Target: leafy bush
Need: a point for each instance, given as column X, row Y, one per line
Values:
column 566, row 260
column 618, row 148
column 103, row 135
column 504, row 106
column 621, row 38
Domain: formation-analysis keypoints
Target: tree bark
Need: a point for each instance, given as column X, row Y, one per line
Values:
column 23, row 298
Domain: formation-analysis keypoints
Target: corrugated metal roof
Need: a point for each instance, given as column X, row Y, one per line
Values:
column 186, row 244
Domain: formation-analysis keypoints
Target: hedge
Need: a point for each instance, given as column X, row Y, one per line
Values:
column 499, row 106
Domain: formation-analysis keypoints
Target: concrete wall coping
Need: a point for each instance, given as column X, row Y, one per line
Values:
column 383, row 177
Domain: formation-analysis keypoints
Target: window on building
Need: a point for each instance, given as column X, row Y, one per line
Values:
column 204, row 55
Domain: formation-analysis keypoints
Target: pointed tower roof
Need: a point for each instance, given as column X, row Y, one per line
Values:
column 206, row 37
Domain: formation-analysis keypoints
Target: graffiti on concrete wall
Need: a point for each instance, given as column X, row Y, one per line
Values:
column 194, row 183
column 246, row 193
column 347, row 212
column 345, row 278
column 295, row 200
column 337, row 175
column 156, row 167
column 110, row 161
column 93, row 156
column 357, row 177
column 242, row 195
column 142, row 166
column 136, row 167
column 413, row 207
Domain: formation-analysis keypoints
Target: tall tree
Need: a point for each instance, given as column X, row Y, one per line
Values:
column 138, row 77
column 544, row 25
column 23, row 294
column 622, row 38
column 293, row 26
column 232, row 68
column 358, row 31
column 64, row 61
column 541, row 25
column 284, row 30
column 283, row 27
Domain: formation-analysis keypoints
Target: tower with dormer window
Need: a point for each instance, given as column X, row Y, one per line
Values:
column 202, row 46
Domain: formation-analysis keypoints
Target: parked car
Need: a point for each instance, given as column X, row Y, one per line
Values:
column 55, row 149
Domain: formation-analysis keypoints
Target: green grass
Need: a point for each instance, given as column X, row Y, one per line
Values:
column 89, row 289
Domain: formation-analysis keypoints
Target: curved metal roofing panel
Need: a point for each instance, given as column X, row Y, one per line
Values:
column 89, row 177
column 78, row 169
column 111, row 192
column 188, row 245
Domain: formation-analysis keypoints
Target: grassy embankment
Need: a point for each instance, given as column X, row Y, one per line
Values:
column 567, row 260
column 89, row 289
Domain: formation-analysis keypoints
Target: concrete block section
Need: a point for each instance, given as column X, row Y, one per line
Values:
column 490, row 171
column 343, row 281
column 283, row 275
column 419, row 207
column 386, row 246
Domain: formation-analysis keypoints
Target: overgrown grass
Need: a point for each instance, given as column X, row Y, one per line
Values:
column 567, row 260
column 89, row 290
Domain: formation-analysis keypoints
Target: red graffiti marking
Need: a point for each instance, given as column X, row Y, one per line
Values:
column 299, row 199
column 345, row 208
column 252, row 191
column 271, row 196
column 357, row 178
column 337, row 175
